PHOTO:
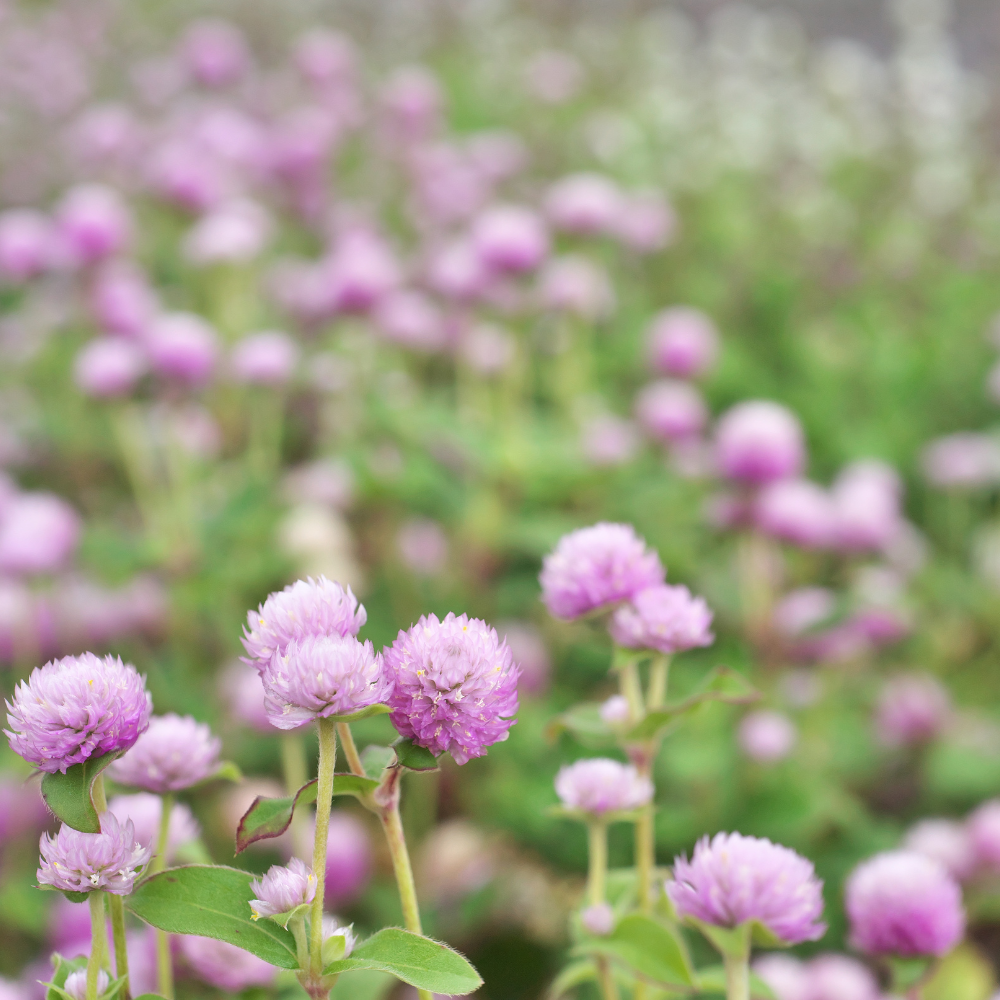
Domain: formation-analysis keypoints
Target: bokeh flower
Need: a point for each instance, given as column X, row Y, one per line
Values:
column 223, row 965
column 948, row 842
column 984, row 832
column 349, row 859
column 599, row 785
column 175, row 752
column 767, row 736
column 144, row 810
column 682, row 342
column 912, row 709
column 759, row 441
column 282, row 889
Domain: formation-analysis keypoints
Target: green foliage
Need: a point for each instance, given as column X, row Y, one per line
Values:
column 413, row 757
column 68, row 794
column 649, row 947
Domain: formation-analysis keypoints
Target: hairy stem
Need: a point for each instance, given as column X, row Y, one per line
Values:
column 737, row 976
column 293, row 766
column 164, row 963
column 597, row 861
column 324, row 800
column 117, row 908
column 350, row 748
column 98, row 942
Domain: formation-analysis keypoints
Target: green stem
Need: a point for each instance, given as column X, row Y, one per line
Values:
column 98, row 942
column 597, row 833
column 164, row 962
column 645, row 858
column 627, row 664
column 350, row 748
column 117, row 907
column 606, row 980
column 659, row 671
column 297, row 925
column 293, row 765
column 737, row 976
column 324, row 800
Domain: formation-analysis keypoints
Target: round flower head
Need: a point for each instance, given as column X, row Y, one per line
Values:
column 901, row 903
column 759, row 441
column 767, row 737
column 912, row 709
column 664, row 618
column 320, row 676
column 597, row 566
column 109, row 366
column 600, row 785
column 81, row 862
column 962, row 461
column 283, row 889
column 682, row 342
column 143, row 810
column 607, row 440
column 223, row 965
column 305, row 608
column 510, row 238
column 175, row 752
column 796, row 511
column 454, row 685
column 671, row 410
column 76, row 708
column 731, row 880
column 214, row 52
column 267, row 358
column 837, row 977
column 984, row 832
column 615, row 711
column 39, row 533
column 598, row 919
column 76, row 984
column 94, row 222
column 332, row 927
column 183, row 346
column 947, row 842
column 26, row 239
column 584, row 204
column 786, row 976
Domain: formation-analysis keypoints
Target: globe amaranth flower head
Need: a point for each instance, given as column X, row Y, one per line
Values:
column 76, row 708
column 305, row 608
column 81, row 862
column 175, row 752
column 731, row 880
column 76, row 984
column 454, row 685
column 903, row 903
column 599, row 785
column 320, row 676
column 281, row 890
column 664, row 618
column 597, row 566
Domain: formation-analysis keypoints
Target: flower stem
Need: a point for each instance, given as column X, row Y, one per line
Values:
column 115, row 904
column 627, row 664
column 350, row 748
column 598, row 861
column 98, row 942
column 737, row 976
column 293, row 766
column 659, row 671
column 324, row 800
column 164, row 964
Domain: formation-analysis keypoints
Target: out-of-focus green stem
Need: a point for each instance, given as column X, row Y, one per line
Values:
column 98, row 942
column 115, row 904
column 324, row 800
column 350, row 748
column 164, row 962
column 264, row 444
column 659, row 672
column 293, row 766
column 597, row 869
column 737, row 977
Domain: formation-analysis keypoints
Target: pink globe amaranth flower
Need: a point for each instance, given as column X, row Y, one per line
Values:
column 144, row 810
column 837, row 977
column 332, row 927
column 76, row 984
column 456, row 271
column 615, row 711
column 575, row 285
column 184, row 347
column 181, row 172
column 326, row 58
column 664, row 618
column 267, row 358
column 510, row 238
column 600, row 785
column 598, row 919
column 984, row 833
column 902, row 903
column 947, row 842
column 93, row 222
column 767, row 737
column 360, row 272
column 796, row 511
column 412, row 320
column 866, row 500
column 448, row 187
column 39, row 533
column 122, row 300
column 912, row 709
column 412, row 104
column 81, row 862
column 241, row 687
column 584, row 204
column 22, row 809
column 803, row 609
column 682, row 342
column 962, row 461
column 454, row 685
column 305, row 608
column 214, row 52
column 223, row 965
column 174, row 753
column 646, row 222
column 320, row 676
column 423, row 546
column 76, row 708
column 109, row 367
column 487, row 349
column 731, row 880
column 349, row 860
column 671, row 411
column 594, row 567
column 785, row 975
column 607, row 440
column 530, row 654
column 283, row 889
column 328, row 481
column 759, row 441
column 26, row 244
column 105, row 135
column 231, row 233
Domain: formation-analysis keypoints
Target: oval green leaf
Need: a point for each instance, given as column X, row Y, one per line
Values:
column 69, row 795
column 648, row 947
column 211, row 901
column 375, row 759
column 416, row 960
column 413, row 757
column 268, row 818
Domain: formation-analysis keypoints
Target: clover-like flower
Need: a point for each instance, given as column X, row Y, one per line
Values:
column 175, row 752
column 282, row 889
column 664, row 618
column 76, row 708
column 82, row 862
column 732, row 880
column 454, row 685
column 600, row 785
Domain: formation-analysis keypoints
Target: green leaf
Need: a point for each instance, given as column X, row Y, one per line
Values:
column 731, row 941
column 267, row 818
column 722, row 684
column 61, row 969
column 363, row 713
column 353, row 784
column 333, row 948
column 646, row 945
column 375, row 759
column 212, row 902
column 713, row 980
column 68, row 795
column 73, row 897
column 227, row 771
column 584, row 722
column 416, row 960
column 413, row 757
column 572, row 976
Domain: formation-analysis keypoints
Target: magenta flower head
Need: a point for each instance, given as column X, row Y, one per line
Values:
column 946, row 841
column 866, row 499
column 796, row 511
column 223, row 965
column 510, row 238
column 682, row 342
column 411, row 320
column 646, row 223
column 175, row 752
column 348, row 859
column 76, row 708
column 767, row 737
column 265, row 358
column 454, row 685
column 599, row 785
column 759, row 441
column 584, row 204
column 122, row 300
column 667, row 619
column 25, row 244
column 281, row 890
column 901, row 903
column 81, row 862
column 183, row 347
column 732, row 880
column 109, row 367
column 215, row 52
column 575, row 285
column 912, row 709
column 598, row 919
column 305, row 608
column 594, row 567
column 964, row 461
column 984, row 833
column 320, row 676
column 671, row 410
column 93, row 222
column 39, row 533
